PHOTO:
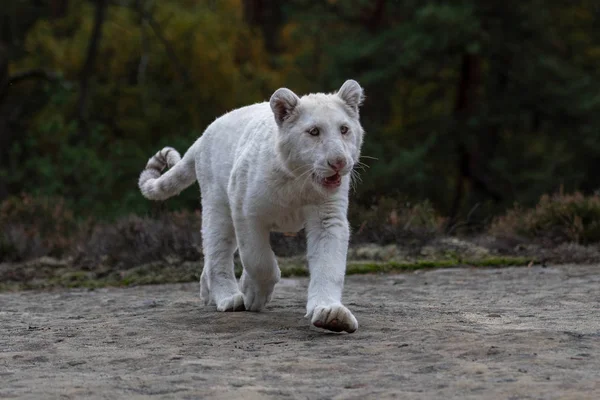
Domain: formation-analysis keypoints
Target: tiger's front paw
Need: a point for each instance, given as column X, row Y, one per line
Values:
column 333, row 317
column 256, row 294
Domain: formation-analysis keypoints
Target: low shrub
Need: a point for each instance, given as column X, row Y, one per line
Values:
column 33, row 227
column 557, row 218
column 390, row 220
column 134, row 240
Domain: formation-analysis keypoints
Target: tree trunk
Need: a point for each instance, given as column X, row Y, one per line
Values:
column 267, row 15
column 376, row 17
column 5, row 134
column 88, row 67
column 59, row 8
column 466, row 97
column 472, row 156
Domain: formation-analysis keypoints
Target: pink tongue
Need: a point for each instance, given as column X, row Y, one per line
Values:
column 332, row 178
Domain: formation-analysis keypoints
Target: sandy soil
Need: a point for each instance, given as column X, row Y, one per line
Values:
column 509, row 333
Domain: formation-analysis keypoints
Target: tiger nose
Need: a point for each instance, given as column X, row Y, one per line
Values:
column 337, row 164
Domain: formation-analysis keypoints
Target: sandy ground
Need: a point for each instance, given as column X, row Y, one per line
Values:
column 510, row 333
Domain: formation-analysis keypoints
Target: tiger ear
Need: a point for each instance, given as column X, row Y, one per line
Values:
column 283, row 103
column 352, row 94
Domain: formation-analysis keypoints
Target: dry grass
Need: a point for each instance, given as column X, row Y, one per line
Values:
column 560, row 218
column 135, row 240
column 35, row 227
column 390, row 220
column 66, row 252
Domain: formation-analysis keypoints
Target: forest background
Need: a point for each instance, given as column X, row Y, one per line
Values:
column 472, row 106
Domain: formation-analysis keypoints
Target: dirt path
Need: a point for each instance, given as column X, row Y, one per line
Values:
column 511, row 333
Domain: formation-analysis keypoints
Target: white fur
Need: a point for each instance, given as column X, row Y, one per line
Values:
column 259, row 171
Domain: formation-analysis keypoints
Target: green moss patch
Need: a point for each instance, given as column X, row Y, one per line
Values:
column 56, row 276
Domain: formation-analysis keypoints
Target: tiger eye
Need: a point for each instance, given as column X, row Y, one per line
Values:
column 314, row 132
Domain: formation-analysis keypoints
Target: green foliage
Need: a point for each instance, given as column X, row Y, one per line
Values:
column 140, row 100
column 535, row 91
column 558, row 218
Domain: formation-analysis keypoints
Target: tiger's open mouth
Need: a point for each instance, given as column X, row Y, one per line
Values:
column 332, row 181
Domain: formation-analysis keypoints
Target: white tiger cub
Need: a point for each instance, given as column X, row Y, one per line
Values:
column 278, row 166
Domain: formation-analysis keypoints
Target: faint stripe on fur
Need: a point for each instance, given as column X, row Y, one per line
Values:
column 180, row 175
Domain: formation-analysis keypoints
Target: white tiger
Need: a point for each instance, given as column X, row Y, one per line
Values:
column 278, row 166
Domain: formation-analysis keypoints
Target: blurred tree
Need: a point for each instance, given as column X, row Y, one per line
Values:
column 471, row 104
column 468, row 102
column 156, row 80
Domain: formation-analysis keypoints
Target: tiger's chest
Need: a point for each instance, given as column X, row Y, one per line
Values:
column 287, row 221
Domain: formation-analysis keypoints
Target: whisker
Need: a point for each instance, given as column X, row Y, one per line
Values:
column 355, row 170
column 296, row 178
column 309, row 166
column 303, row 174
column 354, row 177
column 306, row 179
